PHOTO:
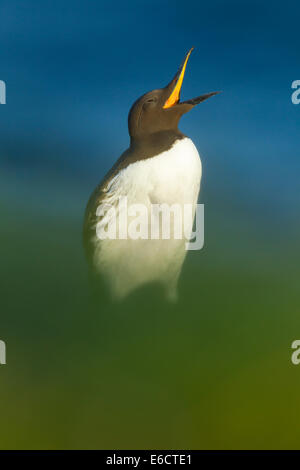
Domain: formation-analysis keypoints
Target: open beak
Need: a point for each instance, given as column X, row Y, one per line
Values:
column 176, row 84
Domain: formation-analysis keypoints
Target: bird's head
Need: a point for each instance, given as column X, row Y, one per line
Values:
column 161, row 110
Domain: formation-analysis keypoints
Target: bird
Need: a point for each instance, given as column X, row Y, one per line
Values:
column 161, row 166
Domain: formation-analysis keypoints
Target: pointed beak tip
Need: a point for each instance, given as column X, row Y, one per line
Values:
column 178, row 79
column 214, row 93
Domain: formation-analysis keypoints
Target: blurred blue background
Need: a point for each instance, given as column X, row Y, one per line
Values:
column 73, row 70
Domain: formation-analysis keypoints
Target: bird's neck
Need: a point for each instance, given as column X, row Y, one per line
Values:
column 156, row 142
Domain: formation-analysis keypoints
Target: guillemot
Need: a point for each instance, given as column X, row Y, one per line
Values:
column 161, row 166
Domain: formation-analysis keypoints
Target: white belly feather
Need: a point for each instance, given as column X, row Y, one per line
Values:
column 173, row 177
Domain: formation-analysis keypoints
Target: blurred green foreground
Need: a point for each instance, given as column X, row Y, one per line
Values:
column 212, row 372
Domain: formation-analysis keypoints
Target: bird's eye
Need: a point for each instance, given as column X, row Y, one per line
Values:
column 151, row 100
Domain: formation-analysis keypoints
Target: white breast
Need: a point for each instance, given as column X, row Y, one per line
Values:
column 173, row 177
